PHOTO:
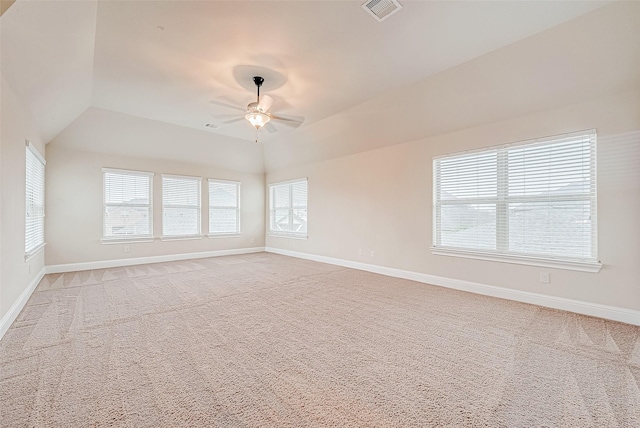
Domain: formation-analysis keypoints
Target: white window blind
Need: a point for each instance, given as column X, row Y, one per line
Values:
column 288, row 208
column 533, row 199
column 224, row 207
column 34, row 192
column 128, row 209
column 180, row 206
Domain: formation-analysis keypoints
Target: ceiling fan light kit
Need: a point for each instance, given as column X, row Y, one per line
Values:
column 257, row 119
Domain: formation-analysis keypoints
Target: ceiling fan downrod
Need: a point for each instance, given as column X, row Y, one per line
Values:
column 258, row 81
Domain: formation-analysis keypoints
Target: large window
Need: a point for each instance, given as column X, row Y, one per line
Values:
column 180, row 206
column 224, row 207
column 530, row 200
column 128, row 209
column 34, row 217
column 288, row 208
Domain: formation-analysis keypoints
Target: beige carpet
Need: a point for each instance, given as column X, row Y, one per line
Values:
column 271, row 341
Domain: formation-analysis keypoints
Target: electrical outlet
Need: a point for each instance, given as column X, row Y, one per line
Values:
column 545, row 277
column 360, row 251
column 253, row 240
column 372, row 253
column 125, row 249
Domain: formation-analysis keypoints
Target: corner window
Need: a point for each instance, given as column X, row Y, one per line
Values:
column 530, row 200
column 34, row 209
column 180, row 207
column 128, row 212
column 224, row 207
column 288, row 209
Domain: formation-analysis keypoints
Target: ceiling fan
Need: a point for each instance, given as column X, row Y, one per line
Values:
column 258, row 113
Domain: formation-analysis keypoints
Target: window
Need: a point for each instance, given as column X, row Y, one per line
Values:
column 535, row 200
column 128, row 212
column 180, row 206
column 288, row 208
column 34, row 192
column 224, row 207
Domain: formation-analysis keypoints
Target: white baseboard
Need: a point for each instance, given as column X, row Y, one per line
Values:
column 613, row 313
column 104, row 264
column 17, row 306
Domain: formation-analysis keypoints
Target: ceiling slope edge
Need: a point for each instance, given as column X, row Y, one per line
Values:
column 104, row 131
column 592, row 56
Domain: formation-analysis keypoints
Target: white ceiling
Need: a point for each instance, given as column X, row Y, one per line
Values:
column 46, row 52
column 166, row 60
column 585, row 59
column 337, row 66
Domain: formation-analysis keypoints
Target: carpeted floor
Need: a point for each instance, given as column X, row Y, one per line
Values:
column 271, row 341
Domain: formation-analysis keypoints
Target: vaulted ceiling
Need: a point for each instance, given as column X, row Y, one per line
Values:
column 432, row 67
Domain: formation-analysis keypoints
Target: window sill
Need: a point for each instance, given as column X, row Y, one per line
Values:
column 180, row 238
column 288, row 235
column 132, row 240
column 28, row 256
column 224, row 235
column 592, row 267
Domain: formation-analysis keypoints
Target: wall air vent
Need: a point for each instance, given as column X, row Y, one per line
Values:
column 381, row 9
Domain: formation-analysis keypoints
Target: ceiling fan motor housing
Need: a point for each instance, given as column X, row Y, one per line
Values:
column 255, row 107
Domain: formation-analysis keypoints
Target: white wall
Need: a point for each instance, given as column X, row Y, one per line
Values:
column 381, row 200
column 16, row 126
column 75, row 202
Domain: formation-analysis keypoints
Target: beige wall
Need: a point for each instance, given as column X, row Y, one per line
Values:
column 75, row 200
column 16, row 126
column 381, row 201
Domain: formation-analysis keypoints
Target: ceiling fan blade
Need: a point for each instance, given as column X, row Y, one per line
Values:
column 270, row 128
column 237, row 119
column 222, row 104
column 293, row 121
column 288, row 117
column 265, row 102
column 224, row 116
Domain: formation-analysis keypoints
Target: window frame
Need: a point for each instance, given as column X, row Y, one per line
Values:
column 290, row 207
column 198, row 235
column 133, row 238
column 238, row 230
column 502, row 201
column 30, row 150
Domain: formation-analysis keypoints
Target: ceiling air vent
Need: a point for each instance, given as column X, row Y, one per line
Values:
column 381, row 9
